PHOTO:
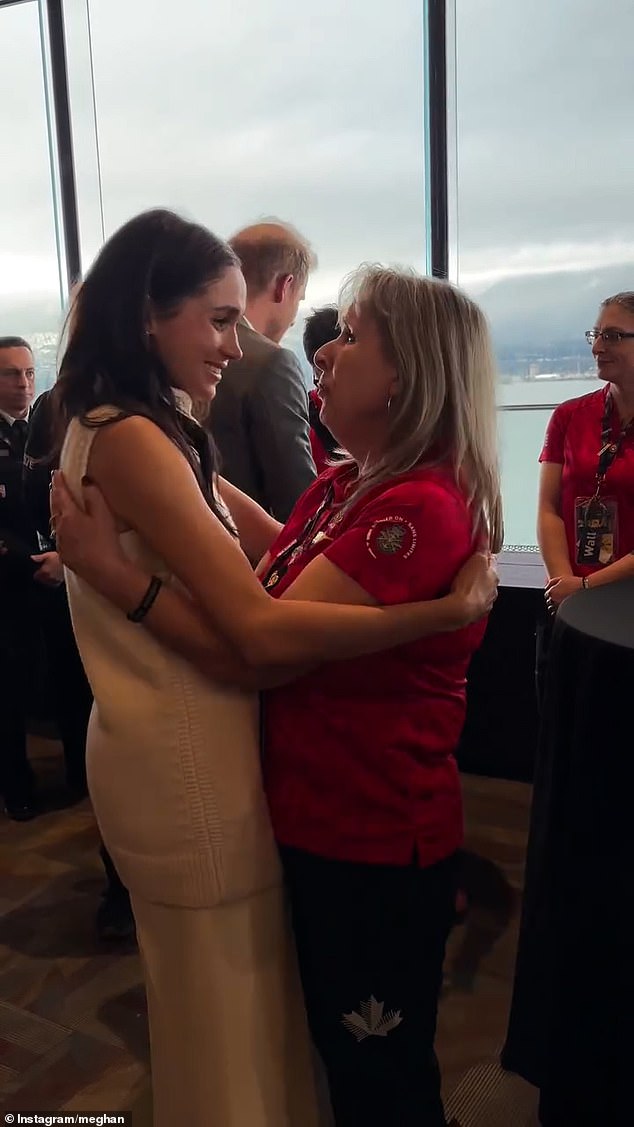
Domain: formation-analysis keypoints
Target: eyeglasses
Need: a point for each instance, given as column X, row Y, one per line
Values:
column 610, row 336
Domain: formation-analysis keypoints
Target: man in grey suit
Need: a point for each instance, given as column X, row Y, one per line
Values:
column 259, row 417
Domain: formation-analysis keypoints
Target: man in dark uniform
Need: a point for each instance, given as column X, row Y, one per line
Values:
column 19, row 572
column 34, row 607
column 114, row 916
column 70, row 690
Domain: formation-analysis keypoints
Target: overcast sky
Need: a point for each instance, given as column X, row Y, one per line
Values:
column 232, row 109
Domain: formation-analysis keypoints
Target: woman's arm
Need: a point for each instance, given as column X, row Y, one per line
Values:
column 149, row 485
column 559, row 589
column 257, row 529
column 551, row 531
column 620, row 569
column 176, row 621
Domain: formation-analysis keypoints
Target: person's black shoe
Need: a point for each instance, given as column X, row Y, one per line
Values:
column 114, row 920
column 20, row 811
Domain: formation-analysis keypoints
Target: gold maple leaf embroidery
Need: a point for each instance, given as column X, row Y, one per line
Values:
column 371, row 1022
column 390, row 539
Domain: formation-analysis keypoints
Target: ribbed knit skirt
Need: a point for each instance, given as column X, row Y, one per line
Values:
column 228, row 1035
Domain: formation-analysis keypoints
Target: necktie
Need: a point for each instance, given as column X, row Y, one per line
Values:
column 18, row 437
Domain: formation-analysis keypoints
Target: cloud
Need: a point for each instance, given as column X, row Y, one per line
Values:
column 543, row 112
column 235, row 109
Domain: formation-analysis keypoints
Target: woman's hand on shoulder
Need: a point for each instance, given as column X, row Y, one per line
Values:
column 86, row 536
column 476, row 588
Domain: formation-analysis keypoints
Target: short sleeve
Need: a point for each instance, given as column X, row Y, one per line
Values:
column 553, row 448
column 406, row 545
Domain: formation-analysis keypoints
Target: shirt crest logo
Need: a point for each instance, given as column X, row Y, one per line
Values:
column 371, row 1021
column 391, row 536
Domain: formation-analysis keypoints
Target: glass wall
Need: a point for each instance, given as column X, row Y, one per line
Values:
column 232, row 111
column 30, row 286
column 545, row 179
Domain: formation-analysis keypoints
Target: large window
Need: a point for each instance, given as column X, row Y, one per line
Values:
column 545, row 180
column 232, row 111
column 31, row 283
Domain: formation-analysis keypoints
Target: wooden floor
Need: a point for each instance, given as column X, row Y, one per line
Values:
column 72, row 1013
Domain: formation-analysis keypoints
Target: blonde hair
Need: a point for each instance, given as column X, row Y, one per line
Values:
column 445, row 407
column 624, row 299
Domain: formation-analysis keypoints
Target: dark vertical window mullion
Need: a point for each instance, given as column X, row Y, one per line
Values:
column 64, row 136
column 436, row 38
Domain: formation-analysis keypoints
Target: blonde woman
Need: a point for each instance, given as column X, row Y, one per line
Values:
column 359, row 759
column 173, row 757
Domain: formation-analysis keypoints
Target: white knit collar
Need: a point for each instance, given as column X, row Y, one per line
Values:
column 183, row 402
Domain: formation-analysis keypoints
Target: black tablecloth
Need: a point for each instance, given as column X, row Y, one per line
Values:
column 571, row 1029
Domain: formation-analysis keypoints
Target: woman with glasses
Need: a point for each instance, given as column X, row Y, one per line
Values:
column 586, row 496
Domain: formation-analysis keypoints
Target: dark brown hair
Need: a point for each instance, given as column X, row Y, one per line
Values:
column 157, row 261
column 15, row 342
column 320, row 327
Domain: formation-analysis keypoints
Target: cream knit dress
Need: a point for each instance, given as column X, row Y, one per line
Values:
column 174, row 776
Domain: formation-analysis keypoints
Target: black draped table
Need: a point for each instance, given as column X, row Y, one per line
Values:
column 571, row 1028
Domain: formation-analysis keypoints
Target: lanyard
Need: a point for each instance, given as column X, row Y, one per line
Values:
column 279, row 566
column 609, row 449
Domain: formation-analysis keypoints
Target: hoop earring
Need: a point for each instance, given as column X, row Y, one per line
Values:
column 389, row 404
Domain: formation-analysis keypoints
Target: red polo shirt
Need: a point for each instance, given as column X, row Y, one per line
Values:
column 359, row 755
column 573, row 440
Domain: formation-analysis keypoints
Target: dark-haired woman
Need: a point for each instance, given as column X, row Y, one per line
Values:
column 320, row 327
column 152, row 329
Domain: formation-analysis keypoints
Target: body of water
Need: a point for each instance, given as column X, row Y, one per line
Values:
column 521, row 440
column 521, row 434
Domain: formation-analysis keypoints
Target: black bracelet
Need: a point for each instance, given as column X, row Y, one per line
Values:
column 147, row 601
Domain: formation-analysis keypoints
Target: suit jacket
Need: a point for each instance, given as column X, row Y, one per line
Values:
column 17, row 532
column 259, row 421
column 38, row 465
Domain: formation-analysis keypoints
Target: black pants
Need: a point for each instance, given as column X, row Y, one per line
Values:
column 36, row 620
column 371, row 944
column 543, row 635
column 17, row 783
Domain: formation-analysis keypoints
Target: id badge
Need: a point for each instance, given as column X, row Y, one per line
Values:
column 596, row 524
